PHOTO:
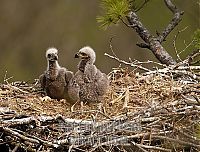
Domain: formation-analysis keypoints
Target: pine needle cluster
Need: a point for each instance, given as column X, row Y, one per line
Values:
column 114, row 11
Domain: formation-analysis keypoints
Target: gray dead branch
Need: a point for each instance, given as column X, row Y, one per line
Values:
column 152, row 42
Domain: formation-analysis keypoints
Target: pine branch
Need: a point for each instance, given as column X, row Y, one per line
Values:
column 154, row 44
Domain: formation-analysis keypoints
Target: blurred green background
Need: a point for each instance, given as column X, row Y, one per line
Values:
column 28, row 28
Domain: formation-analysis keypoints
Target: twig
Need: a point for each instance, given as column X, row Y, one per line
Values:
column 143, row 45
column 150, row 147
column 152, row 43
column 6, row 79
column 34, row 139
column 192, row 56
column 174, row 43
column 92, row 111
column 15, row 88
column 127, row 138
column 155, row 45
column 14, row 133
column 189, row 68
column 15, row 122
column 174, row 22
column 111, row 47
column 187, row 46
column 139, row 146
column 15, row 149
column 177, row 141
column 127, row 63
column 136, row 62
column 194, row 139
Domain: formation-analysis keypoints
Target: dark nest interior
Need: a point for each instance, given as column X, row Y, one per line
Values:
column 153, row 111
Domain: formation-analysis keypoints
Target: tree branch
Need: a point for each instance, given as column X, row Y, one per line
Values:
column 174, row 22
column 177, row 141
column 154, row 44
column 127, row 63
column 138, row 26
column 143, row 45
column 150, row 147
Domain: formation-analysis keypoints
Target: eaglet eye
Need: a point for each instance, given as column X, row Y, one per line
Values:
column 49, row 55
column 83, row 54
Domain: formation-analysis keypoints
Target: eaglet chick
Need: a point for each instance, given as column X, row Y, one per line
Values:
column 55, row 79
column 89, row 84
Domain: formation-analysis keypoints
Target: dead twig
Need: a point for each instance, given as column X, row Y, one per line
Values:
column 150, row 147
column 127, row 63
column 177, row 141
column 154, row 43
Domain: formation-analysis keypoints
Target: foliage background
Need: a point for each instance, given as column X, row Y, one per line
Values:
column 28, row 28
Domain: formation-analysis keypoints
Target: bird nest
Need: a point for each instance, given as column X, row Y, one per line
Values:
column 154, row 111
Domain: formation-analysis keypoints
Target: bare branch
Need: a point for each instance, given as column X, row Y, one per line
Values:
column 177, row 141
column 111, row 47
column 138, row 26
column 192, row 56
column 150, row 147
column 143, row 45
column 139, row 146
column 171, row 6
column 15, row 122
column 14, row 133
column 154, row 44
column 127, row 63
column 174, row 22
column 174, row 43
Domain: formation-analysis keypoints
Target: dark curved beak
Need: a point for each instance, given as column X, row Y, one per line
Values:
column 52, row 57
column 56, row 57
column 76, row 55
